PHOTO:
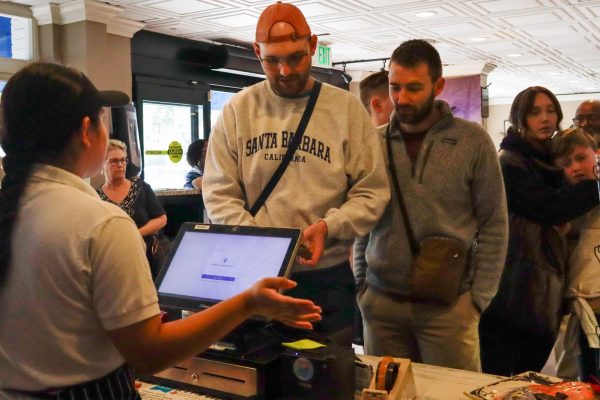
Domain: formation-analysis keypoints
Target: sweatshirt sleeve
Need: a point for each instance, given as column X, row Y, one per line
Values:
column 489, row 201
column 529, row 197
column 368, row 188
column 222, row 188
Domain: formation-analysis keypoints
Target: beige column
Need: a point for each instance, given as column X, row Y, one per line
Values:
column 89, row 36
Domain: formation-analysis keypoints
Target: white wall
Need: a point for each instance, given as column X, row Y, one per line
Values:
column 499, row 112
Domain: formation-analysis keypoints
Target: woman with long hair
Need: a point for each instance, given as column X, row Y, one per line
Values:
column 78, row 306
column 518, row 329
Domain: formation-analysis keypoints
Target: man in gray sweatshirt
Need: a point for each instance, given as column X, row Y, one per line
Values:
column 452, row 186
column 335, row 188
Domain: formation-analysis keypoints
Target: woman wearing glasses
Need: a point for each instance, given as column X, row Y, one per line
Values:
column 135, row 197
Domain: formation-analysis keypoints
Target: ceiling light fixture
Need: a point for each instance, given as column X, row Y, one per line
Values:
column 425, row 14
column 478, row 39
column 515, row 55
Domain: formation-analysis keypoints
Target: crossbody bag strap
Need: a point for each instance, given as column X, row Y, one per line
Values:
column 414, row 246
column 310, row 106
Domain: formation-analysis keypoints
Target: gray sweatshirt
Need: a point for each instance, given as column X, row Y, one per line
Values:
column 337, row 173
column 455, row 189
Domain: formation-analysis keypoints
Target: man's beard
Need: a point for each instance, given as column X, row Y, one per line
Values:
column 416, row 115
column 289, row 86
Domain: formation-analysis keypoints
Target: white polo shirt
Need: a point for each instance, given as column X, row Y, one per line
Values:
column 78, row 268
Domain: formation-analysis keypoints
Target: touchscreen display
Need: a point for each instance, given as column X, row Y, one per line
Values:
column 211, row 267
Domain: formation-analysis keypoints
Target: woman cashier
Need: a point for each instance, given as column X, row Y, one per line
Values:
column 77, row 304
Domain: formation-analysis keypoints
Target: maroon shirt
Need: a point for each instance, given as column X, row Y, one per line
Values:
column 412, row 143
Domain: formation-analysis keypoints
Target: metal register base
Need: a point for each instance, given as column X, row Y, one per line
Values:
column 224, row 376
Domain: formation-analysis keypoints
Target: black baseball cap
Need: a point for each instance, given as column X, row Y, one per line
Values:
column 101, row 98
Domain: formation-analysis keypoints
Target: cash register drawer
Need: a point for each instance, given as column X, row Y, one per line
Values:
column 239, row 380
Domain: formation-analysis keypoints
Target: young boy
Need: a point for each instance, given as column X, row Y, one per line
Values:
column 574, row 151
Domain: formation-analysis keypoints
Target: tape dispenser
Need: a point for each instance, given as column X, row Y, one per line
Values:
column 393, row 380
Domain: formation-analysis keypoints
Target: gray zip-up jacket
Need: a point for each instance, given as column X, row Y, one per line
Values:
column 455, row 189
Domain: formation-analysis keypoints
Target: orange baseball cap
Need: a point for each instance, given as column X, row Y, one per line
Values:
column 281, row 12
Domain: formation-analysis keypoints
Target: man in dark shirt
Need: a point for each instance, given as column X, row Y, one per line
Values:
column 587, row 117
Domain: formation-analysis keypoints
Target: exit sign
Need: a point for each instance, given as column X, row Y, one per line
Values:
column 322, row 57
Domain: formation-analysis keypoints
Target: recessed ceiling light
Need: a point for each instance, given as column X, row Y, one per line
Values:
column 426, row 14
column 515, row 55
column 556, row 73
column 574, row 81
column 478, row 39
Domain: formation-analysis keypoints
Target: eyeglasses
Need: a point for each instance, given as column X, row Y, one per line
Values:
column 292, row 61
column 115, row 162
column 589, row 118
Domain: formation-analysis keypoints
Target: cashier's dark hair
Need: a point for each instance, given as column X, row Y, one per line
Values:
column 42, row 107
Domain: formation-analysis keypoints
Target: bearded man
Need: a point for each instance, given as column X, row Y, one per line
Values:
column 450, row 179
column 587, row 117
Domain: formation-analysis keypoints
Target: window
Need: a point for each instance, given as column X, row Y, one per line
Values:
column 217, row 100
column 2, row 84
column 168, row 131
column 171, row 115
column 15, row 37
column 16, row 41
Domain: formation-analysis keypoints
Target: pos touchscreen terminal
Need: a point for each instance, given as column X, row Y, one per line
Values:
column 210, row 263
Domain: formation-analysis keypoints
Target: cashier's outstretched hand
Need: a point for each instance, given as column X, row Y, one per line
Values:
column 264, row 299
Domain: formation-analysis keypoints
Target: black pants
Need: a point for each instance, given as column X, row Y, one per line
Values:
column 507, row 350
column 588, row 361
column 334, row 290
